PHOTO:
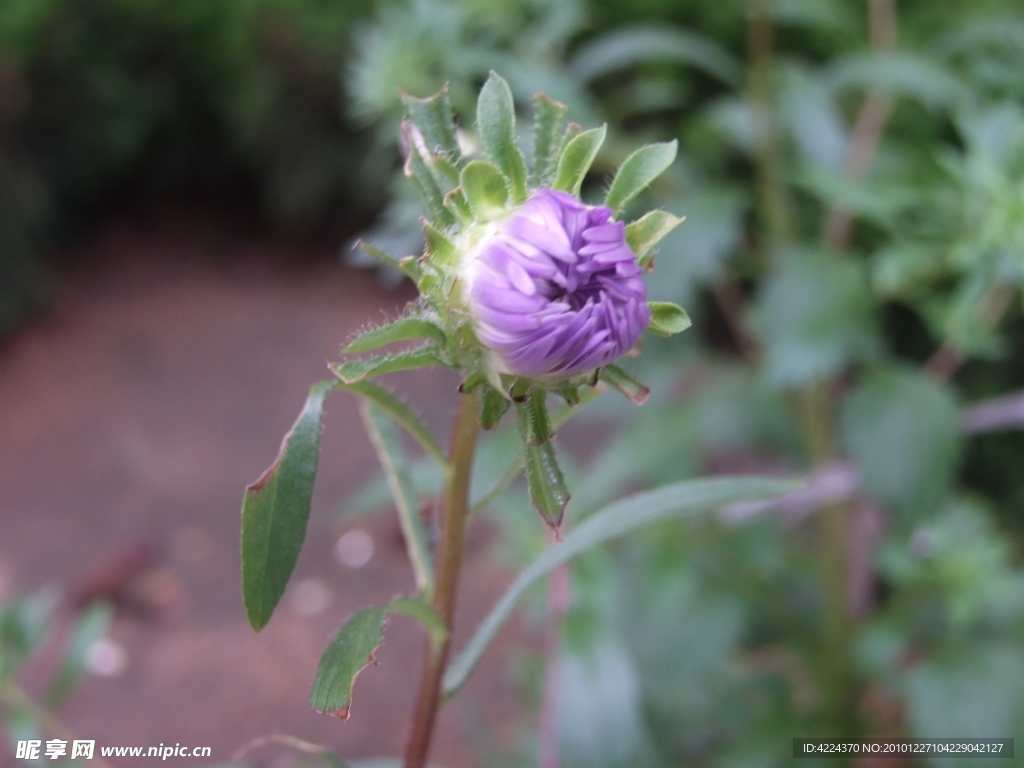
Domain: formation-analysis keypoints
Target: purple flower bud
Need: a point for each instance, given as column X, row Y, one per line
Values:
column 555, row 290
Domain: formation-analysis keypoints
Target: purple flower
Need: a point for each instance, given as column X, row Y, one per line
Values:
column 556, row 291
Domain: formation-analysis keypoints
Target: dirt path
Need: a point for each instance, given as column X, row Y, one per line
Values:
column 139, row 412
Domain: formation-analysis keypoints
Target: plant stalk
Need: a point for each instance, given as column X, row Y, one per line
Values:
column 454, row 514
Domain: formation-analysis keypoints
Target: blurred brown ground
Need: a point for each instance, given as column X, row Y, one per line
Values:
column 141, row 408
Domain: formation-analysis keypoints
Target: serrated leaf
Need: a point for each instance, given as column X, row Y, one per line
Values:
column 433, row 116
column 403, row 329
column 493, row 406
column 546, row 484
column 550, row 120
column 687, row 498
column 649, row 230
column 576, row 159
column 534, row 422
column 900, row 427
column 496, row 118
column 667, row 318
column 352, row 649
column 352, row 371
column 638, row 171
column 485, row 188
column 625, row 383
column 275, row 512
column 388, row 445
column 91, row 626
column 400, row 412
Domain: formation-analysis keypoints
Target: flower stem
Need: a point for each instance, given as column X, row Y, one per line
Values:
column 454, row 513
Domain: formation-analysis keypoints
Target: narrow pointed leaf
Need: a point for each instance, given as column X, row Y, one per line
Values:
column 667, row 318
column 550, row 120
column 386, row 442
column 649, row 230
column 456, row 203
column 275, row 512
column 353, row 648
column 412, row 270
column 576, row 159
column 637, row 173
column 352, row 371
column 544, row 480
column 402, row 329
column 485, row 187
column 534, row 422
column 496, row 117
column 687, row 498
column 424, row 177
column 433, row 116
column 625, row 383
column 493, row 406
column 440, row 248
column 400, row 412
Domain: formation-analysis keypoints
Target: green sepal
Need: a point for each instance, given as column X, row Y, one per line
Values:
column 493, row 406
column 472, row 383
column 534, row 422
column 455, row 201
column 625, row 383
column 649, row 230
column 485, row 188
column 402, row 329
column 667, row 318
column 433, row 116
column 571, row 395
column 496, row 118
column 352, row 371
column 403, row 264
column 440, row 250
column 550, row 120
column 638, row 171
column 576, row 159
column 424, row 177
column 546, row 484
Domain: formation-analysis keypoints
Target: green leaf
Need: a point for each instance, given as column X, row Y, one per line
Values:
column 352, row 649
column 402, row 329
column 439, row 247
column 493, row 406
column 625, row 383
column 638, row 171
column 687, row 498
column 901, row 428
column 89, row 628
column 667, row 318
column 424, row 178
column 534, row 422
column 649, row 230
column 485, row 187
column 496, row 117
column 548, row 492
column 400, row 412
column 352, row 371
column 275, row 512
column 433, row 116
column 550, row 121
column 388, row 446
column 410, row 268
column 576, row 159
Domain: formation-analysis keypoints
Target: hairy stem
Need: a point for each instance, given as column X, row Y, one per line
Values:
column 454, row 514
